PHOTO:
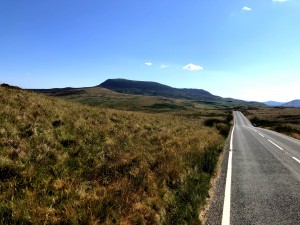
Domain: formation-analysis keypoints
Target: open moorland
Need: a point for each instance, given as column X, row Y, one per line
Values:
column 280, row 119
column 63, row 162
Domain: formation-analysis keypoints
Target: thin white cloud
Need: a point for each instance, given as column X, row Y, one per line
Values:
column 192, row 67
column 279, row 0
column 163, row 66
column 246, row 8
column 148, row 63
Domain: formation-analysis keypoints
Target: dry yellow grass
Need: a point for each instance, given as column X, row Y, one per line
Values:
column 66, row 163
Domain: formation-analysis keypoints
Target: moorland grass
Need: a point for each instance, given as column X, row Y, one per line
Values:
column 283, row 120
column 66, row 163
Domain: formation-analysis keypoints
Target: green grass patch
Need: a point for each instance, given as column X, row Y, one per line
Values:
column 165, row 106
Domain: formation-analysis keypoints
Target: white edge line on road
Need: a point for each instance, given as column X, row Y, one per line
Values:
column 261, row 135
column 231, row 139
column 296, row 159
column 226, row 205
column 275, row 144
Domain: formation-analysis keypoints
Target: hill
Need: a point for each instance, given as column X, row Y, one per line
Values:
column 67, row 163
column 9, row 86
column 273, row 103
column 156, row 89
column 143, row 96
column 294, row 103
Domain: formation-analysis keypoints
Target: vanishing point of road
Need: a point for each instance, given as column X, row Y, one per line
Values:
column 260, row 178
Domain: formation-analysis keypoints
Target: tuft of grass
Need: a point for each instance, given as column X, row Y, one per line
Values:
column 66, row 163
column 222, row 124
column 5, row 214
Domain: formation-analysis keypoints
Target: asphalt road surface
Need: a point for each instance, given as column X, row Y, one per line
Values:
column 262, row 177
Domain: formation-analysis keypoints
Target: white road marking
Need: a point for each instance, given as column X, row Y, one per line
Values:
column 226, row 205
column 296, row 159
column 275, row 144
column 231, row 139
column 261, row 135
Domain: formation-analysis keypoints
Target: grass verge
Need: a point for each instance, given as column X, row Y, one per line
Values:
column 283, row 120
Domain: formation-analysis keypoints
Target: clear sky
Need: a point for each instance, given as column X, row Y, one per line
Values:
column 245, row 49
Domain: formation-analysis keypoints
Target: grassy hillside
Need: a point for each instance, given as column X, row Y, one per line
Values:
column 66, row 163
column 283, row 120
column 97, row 96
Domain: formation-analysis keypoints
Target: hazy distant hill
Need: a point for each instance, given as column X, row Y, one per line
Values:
column 294, row 103
column 273, row 103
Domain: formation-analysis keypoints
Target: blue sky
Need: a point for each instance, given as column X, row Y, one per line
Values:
column 245, row 49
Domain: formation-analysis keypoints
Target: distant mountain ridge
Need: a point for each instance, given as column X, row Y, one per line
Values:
column 156, row 89
column 146, row 88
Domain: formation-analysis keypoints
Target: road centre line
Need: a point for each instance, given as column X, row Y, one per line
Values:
column 226, row 205
column 296, row 159
column 261, row 135
column 275, row 145
column 284, row 151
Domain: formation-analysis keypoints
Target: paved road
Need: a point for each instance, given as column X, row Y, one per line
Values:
column 265, row 179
